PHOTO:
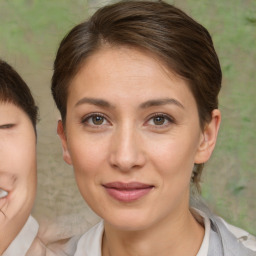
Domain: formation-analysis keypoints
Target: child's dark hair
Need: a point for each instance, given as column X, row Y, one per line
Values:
column 14, row 90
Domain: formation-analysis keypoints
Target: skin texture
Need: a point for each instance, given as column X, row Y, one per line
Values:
column 17, row 171
column 145, row 128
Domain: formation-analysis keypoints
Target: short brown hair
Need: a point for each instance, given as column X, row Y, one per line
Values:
column 13, row 89
column 181, row 43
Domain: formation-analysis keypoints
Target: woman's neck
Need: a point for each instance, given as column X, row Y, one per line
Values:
column 178, row 236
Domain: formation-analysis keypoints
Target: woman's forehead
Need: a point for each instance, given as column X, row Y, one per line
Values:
column 124, row 66
column 127, row 75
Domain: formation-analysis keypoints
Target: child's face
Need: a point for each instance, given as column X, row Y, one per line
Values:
column 17, row 169
column 133, row 136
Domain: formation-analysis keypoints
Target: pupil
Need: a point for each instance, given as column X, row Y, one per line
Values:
column 97, row 120
column 159, row 120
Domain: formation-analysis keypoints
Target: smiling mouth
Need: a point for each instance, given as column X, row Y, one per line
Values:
column 3, row 200
column 3, row 193
column 127, row 192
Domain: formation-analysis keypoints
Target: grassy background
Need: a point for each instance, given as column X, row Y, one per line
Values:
column 30, row 31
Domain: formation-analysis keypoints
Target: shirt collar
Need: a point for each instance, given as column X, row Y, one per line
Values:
column 24, row 239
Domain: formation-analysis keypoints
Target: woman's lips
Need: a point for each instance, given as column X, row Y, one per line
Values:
column 127, row 192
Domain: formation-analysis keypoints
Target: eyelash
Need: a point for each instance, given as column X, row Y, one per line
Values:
column 169, row 119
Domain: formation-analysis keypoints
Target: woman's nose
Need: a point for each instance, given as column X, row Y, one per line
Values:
column 127, row 150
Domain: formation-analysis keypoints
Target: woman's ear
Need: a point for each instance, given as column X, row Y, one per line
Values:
column 63, row 138
column 208, row 138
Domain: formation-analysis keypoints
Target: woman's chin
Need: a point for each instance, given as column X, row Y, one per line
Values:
column 128, row 222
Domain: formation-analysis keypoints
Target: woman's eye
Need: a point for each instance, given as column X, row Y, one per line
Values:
column 160, row 120
column 95, row 120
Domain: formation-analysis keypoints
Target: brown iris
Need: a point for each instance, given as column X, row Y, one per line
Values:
column 97, row 120
column 159, row 120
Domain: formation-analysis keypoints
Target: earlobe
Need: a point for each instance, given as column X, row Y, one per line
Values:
column 209, row 138
column 63, row 138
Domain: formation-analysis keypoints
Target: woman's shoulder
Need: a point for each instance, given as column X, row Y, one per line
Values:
column 229, row 239
column 232, row 240
column 247, row 239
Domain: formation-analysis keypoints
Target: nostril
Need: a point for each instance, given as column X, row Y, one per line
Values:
column 126, row 152
column 127, row 162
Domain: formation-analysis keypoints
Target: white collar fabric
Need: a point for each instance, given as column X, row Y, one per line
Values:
column 24, row 239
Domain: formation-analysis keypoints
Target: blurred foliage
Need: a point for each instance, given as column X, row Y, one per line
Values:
column 33, row 28
column 229, row 182
column 30, row 27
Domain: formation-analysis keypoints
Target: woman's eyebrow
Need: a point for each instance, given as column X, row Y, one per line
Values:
column 94, row 101
column 147, row 104
column 160, row 102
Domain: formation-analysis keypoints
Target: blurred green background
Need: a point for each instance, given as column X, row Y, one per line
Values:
column 30, row 31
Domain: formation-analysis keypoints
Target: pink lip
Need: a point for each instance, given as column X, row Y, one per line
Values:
column 7, row 181
column 127, row 192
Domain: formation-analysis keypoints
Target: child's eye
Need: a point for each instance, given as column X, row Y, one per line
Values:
column 3, row 193
column 95, row 120
column 160, row 120
column 6, row 126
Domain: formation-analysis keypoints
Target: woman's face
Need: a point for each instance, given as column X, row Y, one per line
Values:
column 132, row 135
column 17, row 168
